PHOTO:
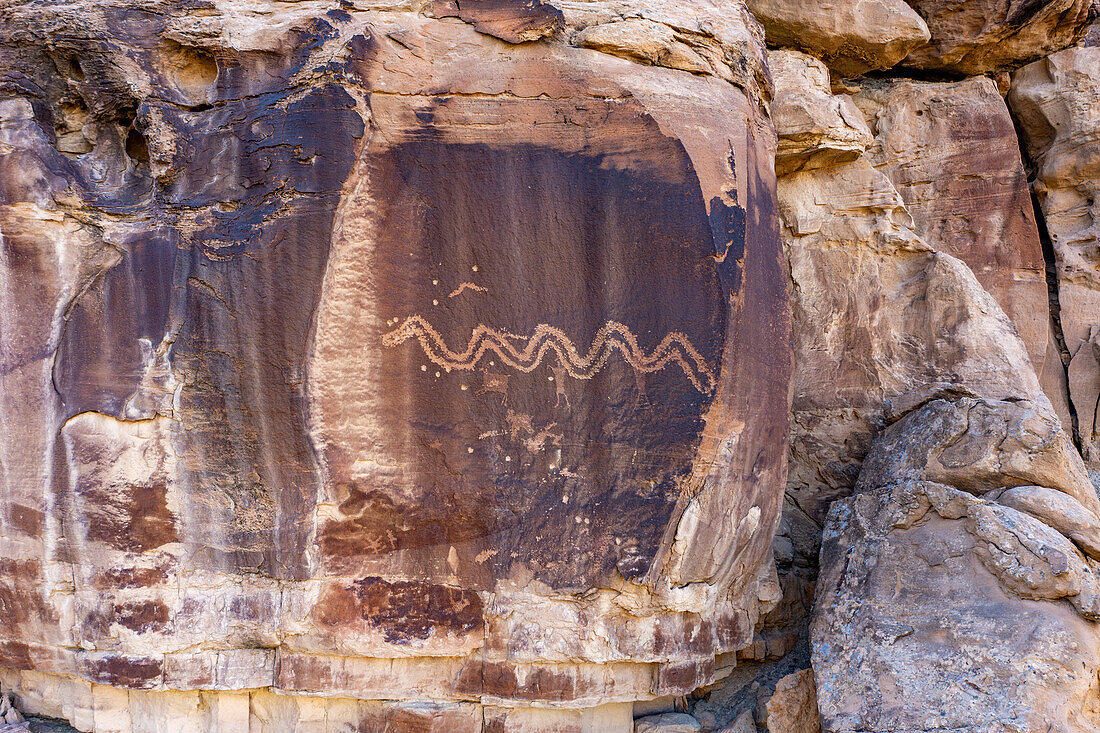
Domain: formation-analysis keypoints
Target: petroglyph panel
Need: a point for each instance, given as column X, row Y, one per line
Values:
column 547, row 327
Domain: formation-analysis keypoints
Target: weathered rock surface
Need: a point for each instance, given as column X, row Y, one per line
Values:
column 978, row 446
column 743, row 724
column 1092, row 35
column 667, row 723
column 923, row 594
column 700, row 36
column 425, row 365
column 355, row 351
column 978, row 37
column 851, row 36
column 99, row 707
column 10, row 718
column 514, row 22
column 1057, row 104
column 950, row 149
column 815, row 129
column 793, row 707
column 1060, row 511
column 908, row 373
column 880, row 315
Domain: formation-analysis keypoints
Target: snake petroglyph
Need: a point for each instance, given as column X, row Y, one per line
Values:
column 674, row 348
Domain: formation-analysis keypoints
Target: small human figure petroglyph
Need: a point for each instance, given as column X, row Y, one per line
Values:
column 559, row 384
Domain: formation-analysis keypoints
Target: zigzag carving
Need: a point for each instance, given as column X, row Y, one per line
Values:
column 675, row 347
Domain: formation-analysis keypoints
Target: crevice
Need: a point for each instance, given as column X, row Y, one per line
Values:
column 1055, row 307
column 904, row 73
column 137, row 148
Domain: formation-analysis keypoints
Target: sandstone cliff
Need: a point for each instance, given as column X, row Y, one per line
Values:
column 464, row 365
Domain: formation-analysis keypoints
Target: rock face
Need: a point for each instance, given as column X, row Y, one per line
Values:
column 951, row 152
column 878, row 313
column 981, row 37
column 667, row 723
column 358, row 352
column 893, row 329
column 1092, row 35
column 894, row 562
column 793, row 707
column 1057, row 102
column 851, row 37
column 541, row 366
column 815, row 128
column 931, row 516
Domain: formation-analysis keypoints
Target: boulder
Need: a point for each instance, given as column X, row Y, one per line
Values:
column 815, row 128
column 984, row 36
column 979, row 446
column 1060, row 511
column 924, row 594
column 851, row 37
column 793, row 706
column 667, row 723
column 10, row 718
column 744, row 723
column 1092, row 36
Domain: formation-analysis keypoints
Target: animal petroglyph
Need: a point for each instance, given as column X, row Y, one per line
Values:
column 674, row 348
column 520, row 427
column 467, row 286
column 519, row 424
column 538, row 442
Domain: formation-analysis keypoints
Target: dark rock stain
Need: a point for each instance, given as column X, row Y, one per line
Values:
column 142, row 616
column 573, row 241
column 134, row 517
column 1021, row 12
column 26, row 519
column 21, row 602
column 514, row 21
column 403, row 610
column 125, row 577
column 224, row 275
column 254, row 281
column 135, row 673
column 100, row 358
column 502, row 679
column 15, row 655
